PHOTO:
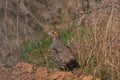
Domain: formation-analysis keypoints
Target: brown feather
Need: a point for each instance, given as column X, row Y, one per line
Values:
column 61, row 54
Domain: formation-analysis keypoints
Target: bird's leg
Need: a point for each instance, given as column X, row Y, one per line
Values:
column 62, row 66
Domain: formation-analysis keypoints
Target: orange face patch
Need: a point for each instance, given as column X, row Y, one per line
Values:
column 54, row 34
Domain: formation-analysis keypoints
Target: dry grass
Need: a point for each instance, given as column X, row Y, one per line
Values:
column 97, row 54
column 91, row 27
column 98, row 47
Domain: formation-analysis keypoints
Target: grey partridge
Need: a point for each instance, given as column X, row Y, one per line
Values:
column 61, row 54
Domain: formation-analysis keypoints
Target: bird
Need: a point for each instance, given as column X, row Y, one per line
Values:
column 61, row 54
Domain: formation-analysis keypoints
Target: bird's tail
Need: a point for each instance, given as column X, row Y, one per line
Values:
column 72, row 64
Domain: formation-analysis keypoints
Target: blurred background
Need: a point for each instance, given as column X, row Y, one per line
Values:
column 90, row 27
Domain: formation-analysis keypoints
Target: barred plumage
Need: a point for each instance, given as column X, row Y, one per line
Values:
column 61, row 54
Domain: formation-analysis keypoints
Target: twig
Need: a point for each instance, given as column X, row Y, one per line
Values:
column 5, row 15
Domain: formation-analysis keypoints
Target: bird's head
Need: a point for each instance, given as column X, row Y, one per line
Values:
column 54, row 34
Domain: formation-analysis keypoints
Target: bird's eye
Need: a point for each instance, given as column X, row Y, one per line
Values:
column 53, row 33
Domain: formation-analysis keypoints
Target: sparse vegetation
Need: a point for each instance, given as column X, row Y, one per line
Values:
column 91, row 28
column 36, row 50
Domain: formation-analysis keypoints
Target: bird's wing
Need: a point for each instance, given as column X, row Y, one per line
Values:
column 64, row 53
column 54, row 55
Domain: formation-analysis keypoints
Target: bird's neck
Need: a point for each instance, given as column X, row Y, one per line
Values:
column 57, row 41
column 56, row 38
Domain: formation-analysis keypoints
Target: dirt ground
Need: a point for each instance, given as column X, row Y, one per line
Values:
column 25, row 71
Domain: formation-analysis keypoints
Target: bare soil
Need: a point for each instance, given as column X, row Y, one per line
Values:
column 25, row 71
